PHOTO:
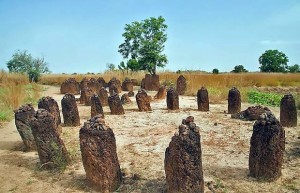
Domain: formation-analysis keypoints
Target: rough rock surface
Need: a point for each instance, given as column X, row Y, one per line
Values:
column 183, row 160
column 162, row 92
column 288, row 111
column 83, row 83
column 143, row 101
column 127, row 85
column 172, row 99
column 151, row 82
column 103, row 95
column 102, row 82
column 70, row 111
column 266, row 148
column 85, row 96
column 130, row 93
column 51, row 149
column 181, row 85
column 234, row 101
column 125, row 99
column 23, row 117
column 99, row 155
column 115, row 105
column 114, row 85
column 251, row 113
column 143, row 83
column 94, row 85
column 96, row 107
column 70, row 86
column 135, row 82
column 202, row 99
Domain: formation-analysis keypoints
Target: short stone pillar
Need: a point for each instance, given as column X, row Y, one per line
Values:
column 101, row 82
column 85, row 96
column 70, row 111
column 51, row 106
column 162, row 92
column 172, row 99
column 99, row 155
column 94, row 85
column 83, row 83
column 143, row 101
column 96, row 107
column 181, row 85
column 143, row 83
column 115, row 105
column 114, row 85
column 51, row 149
column 288, row 111
column 135, row 82
column 183, row 160
column 151, row 82
column 23, row 117
column 202, row 99
column 125, row 99
column 127, row 85
column 266, row 148
column 130, row 93
column 70, row 86
column 103, row 95
column 234, row 101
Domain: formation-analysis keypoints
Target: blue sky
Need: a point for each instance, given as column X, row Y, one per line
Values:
column 83, row 36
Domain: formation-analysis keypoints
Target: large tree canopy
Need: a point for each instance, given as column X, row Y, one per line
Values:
column 23, row 62
column 239, row 69
column 144, row 44
column 273, row 61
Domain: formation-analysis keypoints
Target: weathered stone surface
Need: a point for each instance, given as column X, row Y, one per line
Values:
column 127, row 85
column 172, row 99
column 135, row 82
column 125, row 99
column 115, row 105
column 130, row 93
column 85, row 96
column 183, row 160
column 51, row 106
column 151, row 82
column 114, row 86
column 70, row 111
column 94, row 85
column 251, row 113
column 96, row 107
column 288, row 111
column 143, row 100
column 102, row 82
column 162, row 92
column 99, row 155
column 83, row 83
column 181, row 85
column 234, row 101
column 23, row 117
column 70, row 86
column 143, row 83
column 267, row 148
column 50, row 147
column 202, row 99
column 103, row 95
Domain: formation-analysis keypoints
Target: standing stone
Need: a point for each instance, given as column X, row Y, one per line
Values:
column 85, row 96
column 162, row 92
column 267, row 148
column 288, row 111
column 51, row 149
column 125, row 99
column 151, row 82
column 96, row 107
column 143, row 100
column 103, row 95
column 202, row 99
column 70, row 86
column 70, row 111
column 130, row 93
column 143, row 83
column 23, row 117
column 99, row 155
column 135, row 82
column 115, row 105
column 83, row 83
column 234, row 101
column 102, row 82
column 183, row 160
column 93, row 84
column 114, row 84
column 127, row 85
column 172, row 99
column 113, row 90
column 51, row 106
column 181, row 85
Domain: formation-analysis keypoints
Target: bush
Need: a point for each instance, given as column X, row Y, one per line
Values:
column 215, row 71
column 261, row 98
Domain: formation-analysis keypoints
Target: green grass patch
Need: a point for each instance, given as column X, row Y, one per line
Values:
column 260, row 98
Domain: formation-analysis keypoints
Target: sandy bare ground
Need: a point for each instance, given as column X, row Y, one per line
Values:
column 142, row 138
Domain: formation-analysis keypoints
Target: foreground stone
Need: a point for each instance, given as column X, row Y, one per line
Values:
column 288, row 111
column 115, row 105
column 23, row 117
column 70, row 85
column 143, row 100
column 51, row 149
column 70, row 111
column 103, row 95
column 267, row 148
column 202, row 99
column 251, row 113
column 96, row 107
column 151, row 82
column 183, row 160
column 162, row 92
column 99, row 155
column 181, row 85
column 234, row 101
column 172, row 99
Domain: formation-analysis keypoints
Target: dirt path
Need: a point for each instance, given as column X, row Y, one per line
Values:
column 142, row 138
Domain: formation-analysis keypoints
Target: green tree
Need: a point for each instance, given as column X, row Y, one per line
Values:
column 294, row 68
column 144, row 44
column 239, row 69
column 215, row 71
column 110, row 66
column 273, row 61
column 23, row 62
